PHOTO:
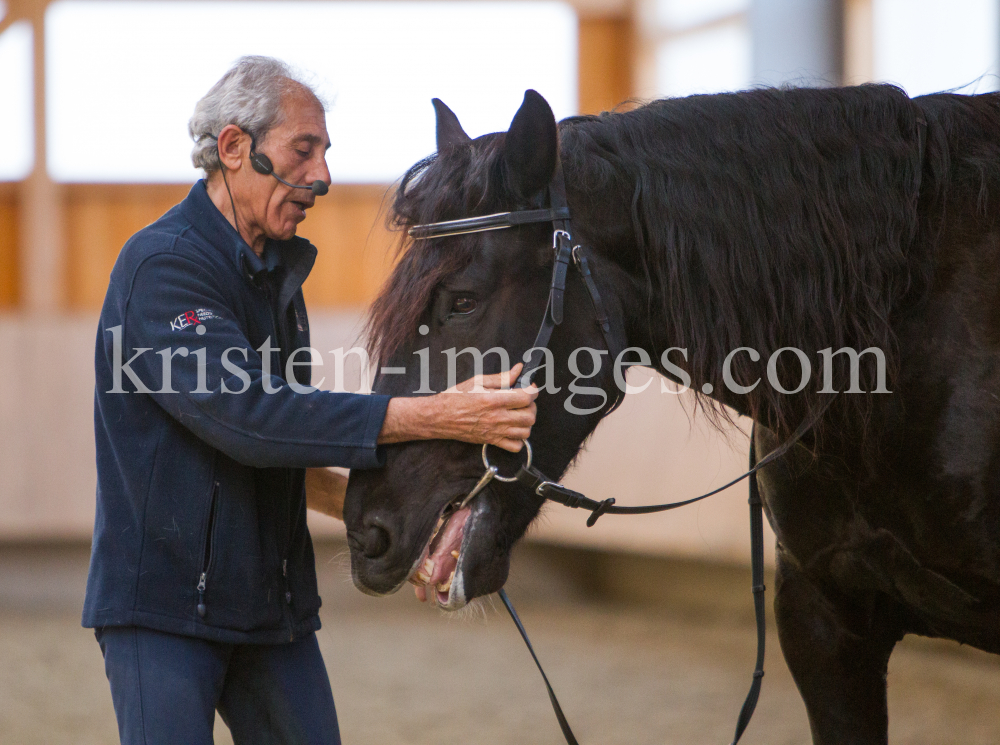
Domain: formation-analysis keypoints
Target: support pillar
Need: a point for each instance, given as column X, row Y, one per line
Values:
column 797, row 42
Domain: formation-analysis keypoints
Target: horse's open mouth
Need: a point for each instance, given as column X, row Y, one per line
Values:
column 437, row 574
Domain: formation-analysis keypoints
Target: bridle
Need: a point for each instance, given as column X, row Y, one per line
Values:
column 565, row 253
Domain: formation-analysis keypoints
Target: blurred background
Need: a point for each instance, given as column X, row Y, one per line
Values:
column 96, row 97
column 94, row 100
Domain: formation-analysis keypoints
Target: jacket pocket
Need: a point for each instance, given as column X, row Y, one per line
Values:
column 208, row 551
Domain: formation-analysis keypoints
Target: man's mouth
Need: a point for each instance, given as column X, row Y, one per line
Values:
column 302, row 207
column 437, row 575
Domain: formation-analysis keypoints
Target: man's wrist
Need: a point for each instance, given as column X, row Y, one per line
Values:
column 406, row 419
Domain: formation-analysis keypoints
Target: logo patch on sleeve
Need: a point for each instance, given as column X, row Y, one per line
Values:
column 192, row 318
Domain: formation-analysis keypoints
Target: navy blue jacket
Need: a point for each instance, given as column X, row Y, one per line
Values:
column 201, row 515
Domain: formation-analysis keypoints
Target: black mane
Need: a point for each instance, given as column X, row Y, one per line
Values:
column 767, row 219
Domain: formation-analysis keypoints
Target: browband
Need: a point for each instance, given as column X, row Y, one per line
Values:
column 497, row 221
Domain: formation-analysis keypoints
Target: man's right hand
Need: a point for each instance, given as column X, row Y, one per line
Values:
column 483, row 409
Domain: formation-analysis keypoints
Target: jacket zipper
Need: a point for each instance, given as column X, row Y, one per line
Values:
column 278, row 328
column 288, row 601
column 284, row 573
column 290, row 530
column 207, row 562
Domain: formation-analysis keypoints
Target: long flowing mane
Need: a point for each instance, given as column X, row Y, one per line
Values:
column 768, row 218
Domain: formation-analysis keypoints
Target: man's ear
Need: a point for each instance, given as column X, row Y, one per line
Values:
column 531, row 145
column 231, row 142
column 449, row 130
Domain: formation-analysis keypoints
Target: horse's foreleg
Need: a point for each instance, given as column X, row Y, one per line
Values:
column 838, row 656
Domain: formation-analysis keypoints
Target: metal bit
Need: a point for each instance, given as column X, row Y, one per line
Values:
column 487, row 477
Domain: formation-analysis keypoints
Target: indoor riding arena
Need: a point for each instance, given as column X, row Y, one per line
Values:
column 644, row 624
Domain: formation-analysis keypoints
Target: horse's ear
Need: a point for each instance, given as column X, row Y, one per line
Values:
column 531, row 145
column 449, row 130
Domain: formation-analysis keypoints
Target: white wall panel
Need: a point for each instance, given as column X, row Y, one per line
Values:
column 17, row 155
column 929, row 45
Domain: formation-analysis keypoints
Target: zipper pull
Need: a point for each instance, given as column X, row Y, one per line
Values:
column 201, row 596
column 284, row 567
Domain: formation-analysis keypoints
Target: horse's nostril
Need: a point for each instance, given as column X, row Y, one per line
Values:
column 376, row 542
column 355, row 543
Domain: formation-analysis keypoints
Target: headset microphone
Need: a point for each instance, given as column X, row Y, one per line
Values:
column 262, row 164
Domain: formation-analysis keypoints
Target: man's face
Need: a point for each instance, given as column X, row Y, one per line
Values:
column 297, row 149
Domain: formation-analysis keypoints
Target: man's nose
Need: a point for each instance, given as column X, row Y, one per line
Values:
column 321, row 173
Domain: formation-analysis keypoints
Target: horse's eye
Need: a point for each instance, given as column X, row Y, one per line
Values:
column 463, row 305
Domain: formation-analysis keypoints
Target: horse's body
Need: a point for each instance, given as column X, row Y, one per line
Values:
column 767, row 219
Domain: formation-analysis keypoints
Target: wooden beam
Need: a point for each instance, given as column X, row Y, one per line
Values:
column 40, row 217
column 9, row 274
column 605, row 67
column 859, row 43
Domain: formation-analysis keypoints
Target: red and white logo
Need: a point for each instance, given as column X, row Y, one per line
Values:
column 191, row 318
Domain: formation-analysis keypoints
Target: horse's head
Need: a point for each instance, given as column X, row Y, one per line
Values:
column 486, row 291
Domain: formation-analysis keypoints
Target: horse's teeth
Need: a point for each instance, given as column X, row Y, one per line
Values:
column 454, row 554
column 445, row 586
column 422, row 577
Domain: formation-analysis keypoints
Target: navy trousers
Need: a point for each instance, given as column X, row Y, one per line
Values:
column 167, row 688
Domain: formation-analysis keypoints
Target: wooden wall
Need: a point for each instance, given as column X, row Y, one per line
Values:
column 99, row 219
column 347, row 226
column 356, row 250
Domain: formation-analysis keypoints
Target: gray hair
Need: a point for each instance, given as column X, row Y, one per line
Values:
column 249, row 96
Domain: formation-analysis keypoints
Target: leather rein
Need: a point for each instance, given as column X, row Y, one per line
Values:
column 566, row 253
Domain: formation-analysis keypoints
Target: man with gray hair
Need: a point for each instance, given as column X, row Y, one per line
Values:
column 202, row 585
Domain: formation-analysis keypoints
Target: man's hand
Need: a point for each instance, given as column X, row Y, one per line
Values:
column 483, row 409
column 325, row 490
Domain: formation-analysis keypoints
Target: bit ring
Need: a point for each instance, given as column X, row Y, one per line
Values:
column 497, row 476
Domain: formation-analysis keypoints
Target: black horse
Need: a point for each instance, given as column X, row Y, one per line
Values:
column 810, row 219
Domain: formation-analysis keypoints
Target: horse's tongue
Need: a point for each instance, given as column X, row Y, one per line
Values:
column 447, row 546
